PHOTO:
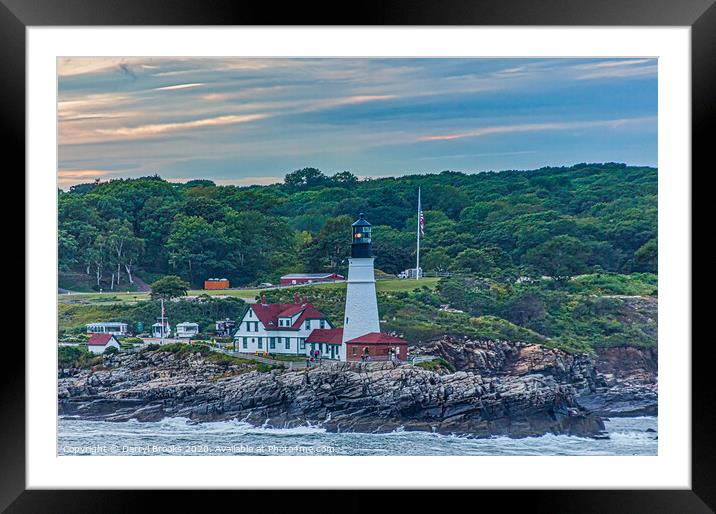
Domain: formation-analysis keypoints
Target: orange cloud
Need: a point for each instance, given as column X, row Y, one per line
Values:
column 161, row 128
column 81, row 174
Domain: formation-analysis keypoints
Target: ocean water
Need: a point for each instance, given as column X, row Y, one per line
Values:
column 175, row 436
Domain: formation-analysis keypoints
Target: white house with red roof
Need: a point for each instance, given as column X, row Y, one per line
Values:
column 98, row 343
column 300, row 329
column 280, row 328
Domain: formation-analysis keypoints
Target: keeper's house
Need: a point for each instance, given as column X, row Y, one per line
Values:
column 279, row 327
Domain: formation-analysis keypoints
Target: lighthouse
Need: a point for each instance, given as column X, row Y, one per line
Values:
column 361, row 314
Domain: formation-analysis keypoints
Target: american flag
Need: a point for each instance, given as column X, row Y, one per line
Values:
column 422, row 224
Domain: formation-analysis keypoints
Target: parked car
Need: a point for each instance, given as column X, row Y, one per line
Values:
column 264, row 285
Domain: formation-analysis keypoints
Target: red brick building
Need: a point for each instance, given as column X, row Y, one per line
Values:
column 376, row 346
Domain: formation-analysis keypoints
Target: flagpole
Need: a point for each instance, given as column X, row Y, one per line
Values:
column 161, row 327
column 417, row 253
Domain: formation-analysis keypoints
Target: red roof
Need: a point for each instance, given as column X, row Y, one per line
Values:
column 377, row 338
column 291, row 311
column 99, row 339
column 268, row 314
column 326, row 335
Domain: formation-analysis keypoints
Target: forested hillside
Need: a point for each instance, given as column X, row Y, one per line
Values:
column 555, row 222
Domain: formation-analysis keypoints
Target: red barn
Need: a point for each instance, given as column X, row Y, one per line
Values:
column 293, row 279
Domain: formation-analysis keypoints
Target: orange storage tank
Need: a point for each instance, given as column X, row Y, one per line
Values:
column 216, row 283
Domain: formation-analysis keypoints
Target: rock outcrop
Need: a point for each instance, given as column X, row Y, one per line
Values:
column 361, row 397
column 627, row 385
column 620, row 381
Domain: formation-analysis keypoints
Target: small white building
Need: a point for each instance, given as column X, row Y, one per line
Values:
column 158, row 328
column 98, row 343
column 411, row 273
column 114, row 328
column 187, row 329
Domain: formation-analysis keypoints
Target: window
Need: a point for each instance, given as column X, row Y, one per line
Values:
column 308, row 323
column 323, row 323
column 245, row 343
column 287, row 343
column 355, row 350
column 251, row 313
column 248, row 326
column 302, row 343
column 261, row 342
column 272, row 343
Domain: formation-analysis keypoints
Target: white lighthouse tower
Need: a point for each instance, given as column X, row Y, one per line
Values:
column 361, row 316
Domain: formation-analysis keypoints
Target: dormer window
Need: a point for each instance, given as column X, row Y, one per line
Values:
column 322, row 323
column 308, row 323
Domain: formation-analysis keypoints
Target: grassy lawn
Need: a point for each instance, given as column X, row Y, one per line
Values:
column 390, row 285
column 406, row 284
column 107, row 298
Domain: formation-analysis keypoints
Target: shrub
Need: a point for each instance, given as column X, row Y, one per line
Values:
column 266, row 368
column 73, row 357
column 131, row 340
column 436, row 365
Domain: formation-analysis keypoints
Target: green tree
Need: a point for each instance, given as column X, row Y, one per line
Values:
column 560, row 258
column 305, row 178
column 196, row 248
column 330, row 249
column 169, row 287
column 344, row 179
column 437, row 259
column 476, row 260
column 646, row 258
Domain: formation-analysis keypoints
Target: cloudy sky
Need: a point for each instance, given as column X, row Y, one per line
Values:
column 250, row 121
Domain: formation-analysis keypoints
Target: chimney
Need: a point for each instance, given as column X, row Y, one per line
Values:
column 295, row 298
column 263, row 298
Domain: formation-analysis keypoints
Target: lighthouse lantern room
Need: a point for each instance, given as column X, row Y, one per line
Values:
column 361, row 247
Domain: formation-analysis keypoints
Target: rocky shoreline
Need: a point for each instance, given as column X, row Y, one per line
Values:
column 616, row 382
column 341, row 397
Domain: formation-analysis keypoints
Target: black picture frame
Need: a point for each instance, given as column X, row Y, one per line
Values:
column 700, row 15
